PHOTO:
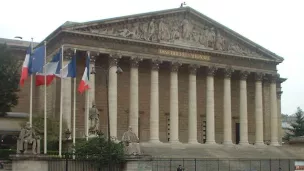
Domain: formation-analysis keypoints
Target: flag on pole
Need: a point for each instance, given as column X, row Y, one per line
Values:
column 37, row 60
column 50, row 71
column 68, row 70
column 25, row 67
column 84, row 83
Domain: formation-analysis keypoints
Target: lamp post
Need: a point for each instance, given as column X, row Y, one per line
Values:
column 67, row 136
column 105, row 71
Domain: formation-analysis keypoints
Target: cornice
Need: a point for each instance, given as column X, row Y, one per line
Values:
column 164, row 58
column 162, row 45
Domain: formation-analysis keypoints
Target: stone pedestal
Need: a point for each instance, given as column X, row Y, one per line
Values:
column 29, row 162
column 142, row 163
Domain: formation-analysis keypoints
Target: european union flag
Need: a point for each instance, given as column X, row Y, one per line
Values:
column 37, row 60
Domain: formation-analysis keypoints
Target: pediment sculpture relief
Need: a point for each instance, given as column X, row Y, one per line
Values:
column 177, row 30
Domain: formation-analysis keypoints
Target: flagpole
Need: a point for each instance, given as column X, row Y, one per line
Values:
column 74, row 109
column 61, row 104
column 87, row 110
column 45, row 108
column 31, row 91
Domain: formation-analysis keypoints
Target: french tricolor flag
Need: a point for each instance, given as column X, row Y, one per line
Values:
column 25, row 66
column 50, row 71
column 84, row 83
column 69, row 70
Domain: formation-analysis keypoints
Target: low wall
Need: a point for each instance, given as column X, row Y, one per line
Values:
column 45, row 163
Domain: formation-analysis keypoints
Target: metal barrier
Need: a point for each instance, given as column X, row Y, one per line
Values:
column 170, row 164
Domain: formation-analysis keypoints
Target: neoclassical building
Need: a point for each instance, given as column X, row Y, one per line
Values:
column 186, row 78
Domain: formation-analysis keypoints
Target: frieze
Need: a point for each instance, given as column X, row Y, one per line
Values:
column 183, row 54
column 176, row 30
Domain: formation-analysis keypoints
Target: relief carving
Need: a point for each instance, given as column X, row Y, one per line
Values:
column 177, row 30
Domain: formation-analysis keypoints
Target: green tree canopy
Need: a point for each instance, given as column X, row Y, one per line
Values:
column 101, row 151
column 9, row 79
column 297, row 127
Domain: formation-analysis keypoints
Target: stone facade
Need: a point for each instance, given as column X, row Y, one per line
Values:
column 227, row 96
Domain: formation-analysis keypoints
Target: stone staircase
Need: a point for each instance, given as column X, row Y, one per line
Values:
column 218, row 151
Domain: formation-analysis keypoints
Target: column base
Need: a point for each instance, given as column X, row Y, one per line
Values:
column 260, row 143
column 244, row 143
column 175, row 142
column 154, row 141
column 210, row 142
column 275, row 143
column 193, row 142
column 227, row 143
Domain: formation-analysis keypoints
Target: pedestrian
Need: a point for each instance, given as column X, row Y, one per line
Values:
column 180, row 168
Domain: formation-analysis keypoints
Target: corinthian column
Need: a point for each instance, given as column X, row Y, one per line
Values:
column 273, row 111
column 210, row 106
column 174, row 103
column 258, row 109
column 243, row 108
column 227, row 106
column 192, row 121
column 133, row 119
column 113, row 60
column 154, row 102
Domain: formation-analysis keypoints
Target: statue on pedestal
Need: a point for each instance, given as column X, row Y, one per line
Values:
column 27, row 137
column 131, row 142
column 94, row 119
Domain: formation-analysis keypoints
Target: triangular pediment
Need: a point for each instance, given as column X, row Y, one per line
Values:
column 184, row 27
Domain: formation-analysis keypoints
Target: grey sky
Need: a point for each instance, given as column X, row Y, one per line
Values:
column 274, row 24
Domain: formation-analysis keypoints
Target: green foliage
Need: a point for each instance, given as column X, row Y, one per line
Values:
column 101, row 151
column 52, row 131
column 9, row 79
column 5, row 153
column 297, row 127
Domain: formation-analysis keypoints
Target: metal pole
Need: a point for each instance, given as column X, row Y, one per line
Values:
column 61, row 105
column 74, row 110
column 31, row 92
column 108, row 113
column 45, row 106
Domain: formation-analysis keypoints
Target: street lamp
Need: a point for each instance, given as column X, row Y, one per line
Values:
column 105, row 71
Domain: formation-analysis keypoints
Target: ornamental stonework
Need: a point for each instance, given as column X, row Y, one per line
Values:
column 259, row 76
column 155, row 64
column 135, row 61
column 114, row 58
column 193, row 68
column 175, row 66
column 244, row 75
column 175, row 29
column 211, row 70
column 228, row 72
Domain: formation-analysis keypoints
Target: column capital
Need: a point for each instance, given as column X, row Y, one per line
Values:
column 244, row 75
column 273, row 78
column 228, row 72
column 211, row 70
column 92, row 59
column 175, row 65
column 193, row 68
column 134, row 61
column 68, row 54
column 279, row 93
column 114, row 58
column 155, row 63
column 259, row 76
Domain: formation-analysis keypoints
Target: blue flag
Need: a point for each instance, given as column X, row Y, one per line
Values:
column 37, row 60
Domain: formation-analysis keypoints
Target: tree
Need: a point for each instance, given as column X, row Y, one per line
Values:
column 9, row 79
column 101, row 151
column 297, row 127
column 52, row 130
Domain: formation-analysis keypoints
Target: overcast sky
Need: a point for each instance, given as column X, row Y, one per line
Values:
column 274, row 24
